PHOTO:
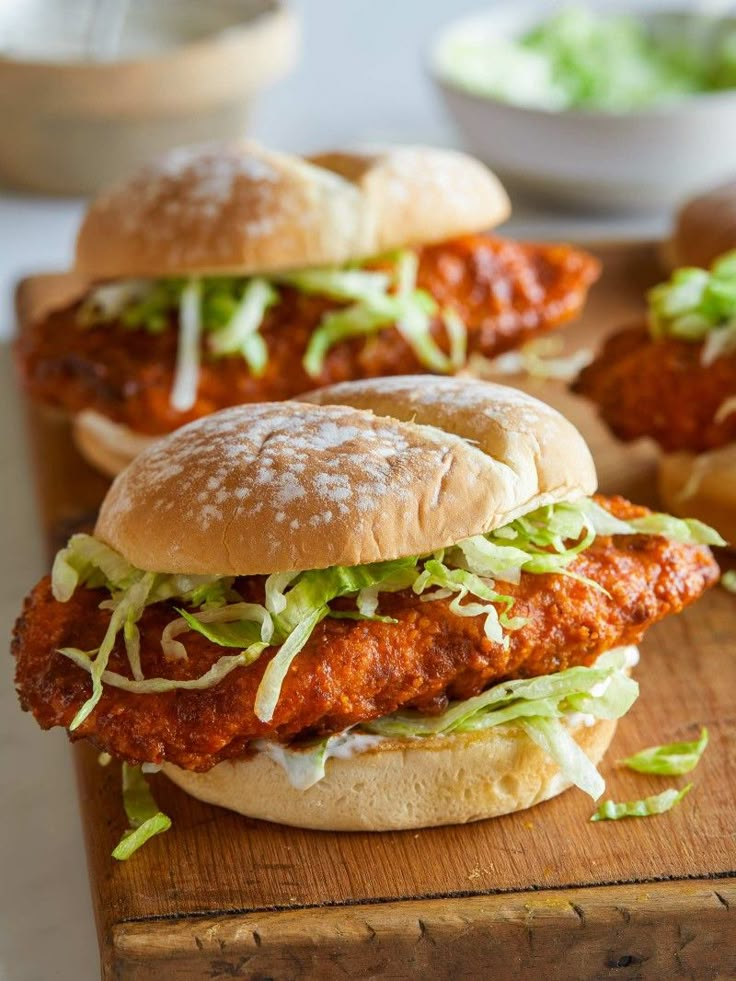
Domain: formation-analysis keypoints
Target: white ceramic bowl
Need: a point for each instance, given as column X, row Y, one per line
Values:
column 641, row 160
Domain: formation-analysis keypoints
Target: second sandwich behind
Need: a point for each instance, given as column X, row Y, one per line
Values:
column 228, row 274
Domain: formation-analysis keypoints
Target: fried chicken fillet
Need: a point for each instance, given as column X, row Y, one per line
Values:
column 661, row 389
column 350, row 671
column 505, row 292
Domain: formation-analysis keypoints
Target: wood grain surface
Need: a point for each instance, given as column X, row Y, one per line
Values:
column 541, row 891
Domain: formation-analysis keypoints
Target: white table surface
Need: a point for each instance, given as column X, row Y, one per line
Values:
column 360, row 79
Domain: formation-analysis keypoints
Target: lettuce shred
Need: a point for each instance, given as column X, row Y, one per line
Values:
column 144, row 818
column 471, row 574
column 698, row 305
column 672, row 759
column 538, row 706
column 188, row 352
column 658, row 804
column 587, row 59
column 229, row 311
column 542, row 358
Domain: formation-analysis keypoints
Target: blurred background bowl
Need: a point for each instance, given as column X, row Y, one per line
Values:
column 639, row 161
column 86, row 95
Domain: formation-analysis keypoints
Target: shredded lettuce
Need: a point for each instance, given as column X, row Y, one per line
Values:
column 698, row 305
column 658, row 804
column 128, row 608
column 728, row 581
column 230, row 310
column 236, row 625
column 603, row 690
column 313, row 590
column 150, row 305
column 672, row 759
column 269, row 689
column 457, row 334
column 542, row 358
column 411, row 312
column 545, row 541
column 538, row 706
column 87, row 561
column 461, row 582
column 343, row 324
column 144, row 818
column 206, row 591
column 114, row 301
column 686, row 531
column 414, row 322
column 555, row 740
column 373, row 308
column 152, row 686
column 361, row 285
column 414, row 319
column 188, row 353
column 240, row 335
column 582, row 58
column 725, row 409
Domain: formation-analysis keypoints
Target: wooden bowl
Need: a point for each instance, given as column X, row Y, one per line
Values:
column 70, row 126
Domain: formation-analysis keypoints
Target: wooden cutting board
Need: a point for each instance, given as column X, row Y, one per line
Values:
column 544, row 892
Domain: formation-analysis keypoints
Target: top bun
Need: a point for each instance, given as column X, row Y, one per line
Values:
column 238, row 208
column 705, row 228
column 289, row 486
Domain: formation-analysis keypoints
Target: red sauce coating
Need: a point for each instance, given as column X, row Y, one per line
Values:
column 660, row 389
column 505, row 291
column 350, row 671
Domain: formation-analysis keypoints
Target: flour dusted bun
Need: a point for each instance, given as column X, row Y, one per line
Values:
column 284, row 486
column 240, row 208
column 399, row 784
column 705, row 228
column 109, row 446
column 510, row 426
column 702, row 487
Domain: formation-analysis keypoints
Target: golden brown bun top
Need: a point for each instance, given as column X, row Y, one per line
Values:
column 239, row 208
column 289, row 486
column 705, row 228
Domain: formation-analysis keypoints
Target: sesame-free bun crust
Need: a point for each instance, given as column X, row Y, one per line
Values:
column 108, row 446
column 276, row 487
column 39, row 296
column 705, row 228
column 239, row 208
column 702, row 487
column 399, row 784
column 506, row 424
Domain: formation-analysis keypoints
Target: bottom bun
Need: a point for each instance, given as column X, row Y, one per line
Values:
column 702, row 487
column 399, row 784
column 107, row 445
